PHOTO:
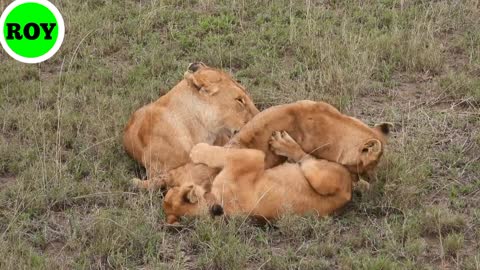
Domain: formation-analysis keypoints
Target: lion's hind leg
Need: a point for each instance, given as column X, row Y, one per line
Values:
column 326, row 178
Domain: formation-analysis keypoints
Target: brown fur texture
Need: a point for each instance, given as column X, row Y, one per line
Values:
column 206, row 106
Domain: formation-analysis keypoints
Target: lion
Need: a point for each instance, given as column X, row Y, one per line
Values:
column 321, row 130
column 339, row 148
column 244, row 187
column 206, row 106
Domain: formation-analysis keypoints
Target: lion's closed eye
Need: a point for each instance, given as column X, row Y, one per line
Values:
column 240, row 100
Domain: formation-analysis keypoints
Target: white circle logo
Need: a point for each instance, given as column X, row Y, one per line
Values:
column 31, row 31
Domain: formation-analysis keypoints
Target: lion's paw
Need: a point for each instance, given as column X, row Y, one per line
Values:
column 283, row 144
column 199, row 153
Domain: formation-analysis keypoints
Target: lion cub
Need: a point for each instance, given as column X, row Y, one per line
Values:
column 245, row 187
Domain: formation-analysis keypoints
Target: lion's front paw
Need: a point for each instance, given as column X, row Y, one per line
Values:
column 199, row 152
column 283, row 145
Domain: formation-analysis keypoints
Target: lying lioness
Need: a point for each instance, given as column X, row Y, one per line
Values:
column 321, row 130
column 206, row 105
column 244, row 187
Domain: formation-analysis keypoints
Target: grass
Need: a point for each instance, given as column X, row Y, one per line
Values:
column 65, row 199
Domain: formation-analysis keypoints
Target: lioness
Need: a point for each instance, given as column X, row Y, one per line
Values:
column 203, row 107
column 244, row 187
column 321, row 130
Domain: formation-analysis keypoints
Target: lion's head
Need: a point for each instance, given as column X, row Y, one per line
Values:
column 366, row 149
column 228, row 99
column 189, row 200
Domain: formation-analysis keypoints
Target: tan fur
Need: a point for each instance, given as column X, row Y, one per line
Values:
column 205, row 106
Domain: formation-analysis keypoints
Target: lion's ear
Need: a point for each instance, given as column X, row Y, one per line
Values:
column 192, row 80
column 199, row 81
column 372, row 146
column 191, row 196
column 200, row 85
column 384, row 127
column 194, row 67
column 190, row 76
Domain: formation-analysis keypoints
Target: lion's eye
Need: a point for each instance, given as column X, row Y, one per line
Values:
column 240, row 100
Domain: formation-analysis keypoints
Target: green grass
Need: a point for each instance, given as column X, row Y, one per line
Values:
column 65, row 199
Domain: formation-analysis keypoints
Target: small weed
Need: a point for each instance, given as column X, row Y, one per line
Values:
column 453, row 243
column 441, row 220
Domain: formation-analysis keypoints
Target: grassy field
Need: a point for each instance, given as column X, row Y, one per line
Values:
column 65, row 199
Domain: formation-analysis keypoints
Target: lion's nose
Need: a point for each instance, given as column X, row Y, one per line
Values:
column 216, row 210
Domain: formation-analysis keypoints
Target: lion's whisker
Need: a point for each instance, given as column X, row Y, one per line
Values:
column 306, row 155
